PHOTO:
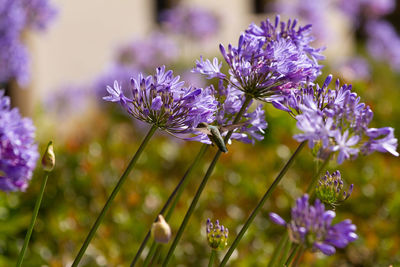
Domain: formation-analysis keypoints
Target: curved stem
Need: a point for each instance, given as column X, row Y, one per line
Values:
column 202, row 185
column 292, row 254
column 33, row 220
column 212, row 257
column 113, row 195
column 261, row 203
column 178, row 192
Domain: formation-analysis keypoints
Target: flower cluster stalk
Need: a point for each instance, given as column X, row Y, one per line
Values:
column 33, row 220
column 260, row 204
column 202, row 185
column 114, row 193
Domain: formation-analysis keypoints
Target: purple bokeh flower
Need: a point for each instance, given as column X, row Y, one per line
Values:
column 335, row 120
column 146, row 54
column 383, row 43
column 193, row 22
column 312, row 227
column 269, row 58
column 17, row 16
column 163, row 101
column 18, row 152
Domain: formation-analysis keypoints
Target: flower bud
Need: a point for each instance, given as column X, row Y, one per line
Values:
column 217, row 235
column 330, row 189
column 161, row 231
column 49, row 159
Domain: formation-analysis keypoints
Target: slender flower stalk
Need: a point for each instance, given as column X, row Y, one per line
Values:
column 212, row 258
column 113, row 195
column 48, row 162
column 260, row 204
column 202, row 185
column 289, row 260
column 33, row 220
column 174, row 197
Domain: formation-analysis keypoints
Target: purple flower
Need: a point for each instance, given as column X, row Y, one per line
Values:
column 268, row 59
column 383, row 43
column 335, row 120
column 163, row 101
column 193, row 22
column 148, row 53
column 18, row 152
column 230, row 102
column 17, row 16
column 312, row 226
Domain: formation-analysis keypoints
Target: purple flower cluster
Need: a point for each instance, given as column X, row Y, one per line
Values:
column 335, row 120
column 312, row 226
column 384, row 43
column 268, row 59
column 193, row 22
column 17, row 16
column 163, row 101
column 18, row 152
column 230, row 102
column 146, row 54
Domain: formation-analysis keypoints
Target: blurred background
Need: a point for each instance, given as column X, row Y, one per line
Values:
column 86, row 45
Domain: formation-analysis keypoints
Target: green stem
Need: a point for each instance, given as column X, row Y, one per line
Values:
column 286, row 249
column 113, row 195
column 212, row 257
column 292, row 254
column 314, row 180
column 261, row 203
column 298, row 257
column 178, row 192
column 277, row 249
column 150, row 254
column 33, row 220
column 202, row 185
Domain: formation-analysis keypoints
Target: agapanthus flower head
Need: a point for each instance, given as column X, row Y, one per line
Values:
column 252, row 125
column 146, row 54
column 269, row 58
column 383, row 43
column 330, row 189
column 334, row 120
column 194, row 22
column 18, row 152
column 17, row 16
column 217, row 235
column 163, row 101
column 311, row 226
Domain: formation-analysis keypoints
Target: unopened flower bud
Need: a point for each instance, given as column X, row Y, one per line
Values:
column 161, row 231
column 49, row 159
column 330, row 189
column 217, row 235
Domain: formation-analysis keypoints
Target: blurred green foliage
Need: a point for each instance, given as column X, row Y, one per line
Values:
column 93, row 149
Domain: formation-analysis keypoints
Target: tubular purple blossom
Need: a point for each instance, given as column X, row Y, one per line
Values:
column 268, row 59
column 18, row 152
column 161, row 100
column 335, row 120
column 312, row 227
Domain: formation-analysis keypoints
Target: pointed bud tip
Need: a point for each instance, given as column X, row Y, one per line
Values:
column 49, row 158
column 161, row 231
